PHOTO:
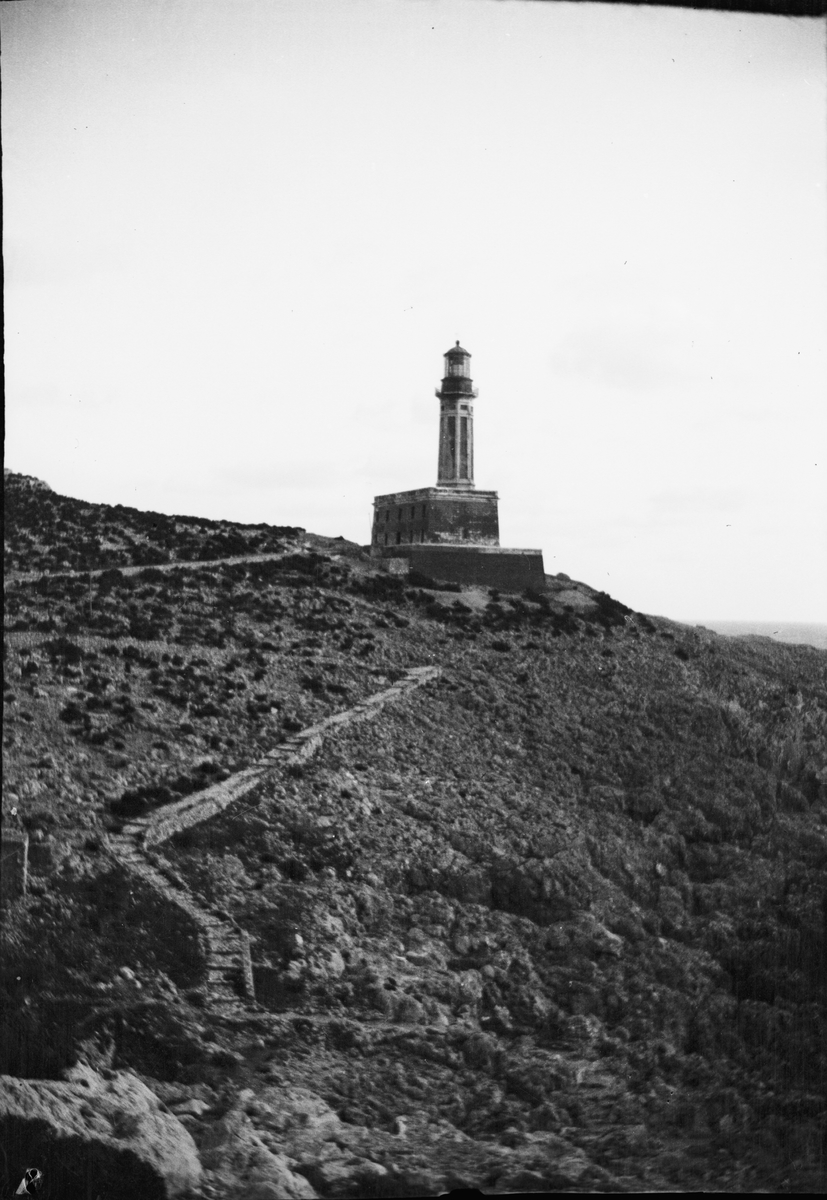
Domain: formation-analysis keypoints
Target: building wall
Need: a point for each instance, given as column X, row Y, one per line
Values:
column 466, row 517
column 435, row 515
column 508, row 570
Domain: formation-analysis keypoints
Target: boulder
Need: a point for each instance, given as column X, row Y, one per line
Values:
column 241, row 1164
column 302, row 1120
column 108, row 1131
column 340, row 1174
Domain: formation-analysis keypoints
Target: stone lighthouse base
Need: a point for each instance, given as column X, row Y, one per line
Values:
column 488, row 566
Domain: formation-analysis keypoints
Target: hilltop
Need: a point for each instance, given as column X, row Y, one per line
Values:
column 555, row 921
column 44, row 531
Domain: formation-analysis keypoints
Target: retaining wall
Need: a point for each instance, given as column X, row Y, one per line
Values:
column 497, row 567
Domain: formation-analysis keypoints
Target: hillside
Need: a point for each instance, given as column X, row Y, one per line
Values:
column 44, row 531
column 553, row 921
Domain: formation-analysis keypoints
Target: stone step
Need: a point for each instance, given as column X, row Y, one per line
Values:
column 225, row 957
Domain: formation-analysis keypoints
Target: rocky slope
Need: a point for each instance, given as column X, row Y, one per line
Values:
column 555, row 923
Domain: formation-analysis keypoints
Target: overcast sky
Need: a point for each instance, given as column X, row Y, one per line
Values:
column 240, row 234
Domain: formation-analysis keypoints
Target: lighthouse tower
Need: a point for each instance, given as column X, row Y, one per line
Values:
column 456, row 421
column 452, row 531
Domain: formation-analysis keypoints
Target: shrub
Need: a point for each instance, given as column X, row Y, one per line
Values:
column 63, row 649
column 110, row 579
column 144, row 629
column 151, row 575
column 313, row 683
column 610, row 611
column 417, row 579
column 71, row 713
column 148, row 555
column 564, row 622
column 379, row 587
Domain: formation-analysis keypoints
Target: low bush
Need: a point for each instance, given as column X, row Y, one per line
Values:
column 417, row 579
column 72, row 714
column 63, row 650
column 610, row 611
column 151, row 575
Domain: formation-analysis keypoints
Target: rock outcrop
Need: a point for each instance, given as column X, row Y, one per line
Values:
column 92, row 1135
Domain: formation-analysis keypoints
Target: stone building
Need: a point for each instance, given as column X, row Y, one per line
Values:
column 452, row 531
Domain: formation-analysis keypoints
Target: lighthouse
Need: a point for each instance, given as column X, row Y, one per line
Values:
column 451, row 531
column 456, row 421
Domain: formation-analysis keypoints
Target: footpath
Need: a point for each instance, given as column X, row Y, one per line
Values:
column 187, row 564
column 229, row 973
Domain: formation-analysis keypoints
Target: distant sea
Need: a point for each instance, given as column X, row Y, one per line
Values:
column 779, row 631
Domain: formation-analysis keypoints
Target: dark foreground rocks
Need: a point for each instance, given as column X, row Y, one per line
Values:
column 96, row 1136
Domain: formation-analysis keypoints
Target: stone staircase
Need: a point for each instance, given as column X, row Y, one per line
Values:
column 229, row 975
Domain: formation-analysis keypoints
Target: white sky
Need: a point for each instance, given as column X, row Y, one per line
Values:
column 239, row 235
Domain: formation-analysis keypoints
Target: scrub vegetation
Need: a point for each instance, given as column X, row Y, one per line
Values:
column 554, row 922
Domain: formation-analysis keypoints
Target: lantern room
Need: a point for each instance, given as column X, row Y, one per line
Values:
column 457, row 362
column 457, row 378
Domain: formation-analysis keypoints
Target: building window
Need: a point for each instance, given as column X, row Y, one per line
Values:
column 399, row 515
column 387, row 514
column 423, row 512
column 413, row 511
column 386, row 539
column 398, row 536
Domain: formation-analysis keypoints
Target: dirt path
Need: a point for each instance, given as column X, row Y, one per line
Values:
column 178, row 564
